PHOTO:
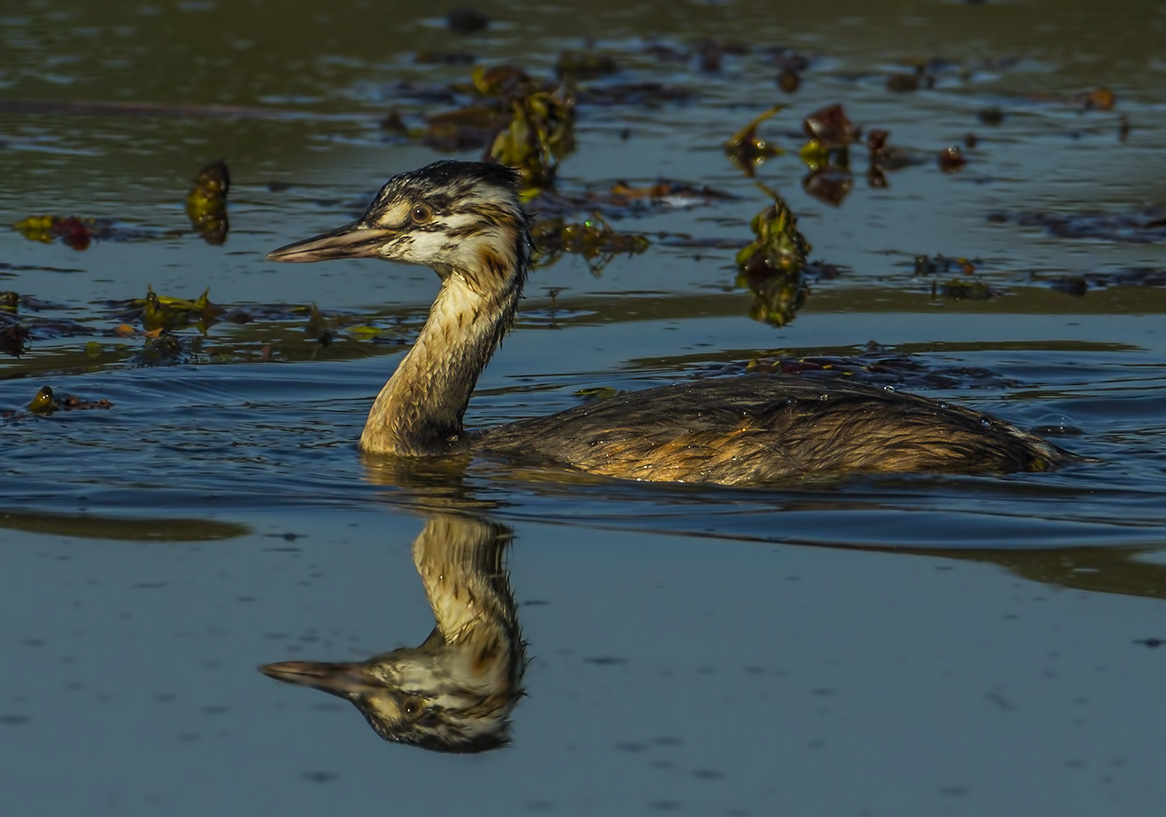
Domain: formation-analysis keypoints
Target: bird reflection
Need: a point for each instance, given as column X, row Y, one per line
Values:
column 454, row 692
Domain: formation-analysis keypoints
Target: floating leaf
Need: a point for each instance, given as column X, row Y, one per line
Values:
column 594, row 240
column 43, row 403
column 165, row 312
column 540, row 133
column 772, row 265
column 746, row 149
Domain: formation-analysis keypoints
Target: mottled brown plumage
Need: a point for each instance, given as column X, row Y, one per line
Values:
column 464, row 220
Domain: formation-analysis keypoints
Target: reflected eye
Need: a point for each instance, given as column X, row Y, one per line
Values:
column 412, row 706
column 421, row 214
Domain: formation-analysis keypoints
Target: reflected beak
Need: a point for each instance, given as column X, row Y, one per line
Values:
column 338, row 679
column 350, row 241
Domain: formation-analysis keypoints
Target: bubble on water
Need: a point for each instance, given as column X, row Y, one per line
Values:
column 1056, row 425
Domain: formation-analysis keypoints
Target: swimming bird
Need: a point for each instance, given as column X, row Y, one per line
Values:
column 465, row 220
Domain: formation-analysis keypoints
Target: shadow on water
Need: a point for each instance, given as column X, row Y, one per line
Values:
column 93, row 526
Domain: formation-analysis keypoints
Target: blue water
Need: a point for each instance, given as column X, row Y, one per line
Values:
column 870, row 645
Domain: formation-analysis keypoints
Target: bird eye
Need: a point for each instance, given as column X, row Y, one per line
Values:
column 412, row 706
column 421, row 214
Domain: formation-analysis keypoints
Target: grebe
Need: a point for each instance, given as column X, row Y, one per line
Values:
column 465, row 221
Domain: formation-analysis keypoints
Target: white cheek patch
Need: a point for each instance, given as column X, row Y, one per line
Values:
column 425, row 247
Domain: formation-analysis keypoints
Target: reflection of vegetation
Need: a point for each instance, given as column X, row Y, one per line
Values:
column 206, row 203
column 455, row 691
column 127, row 530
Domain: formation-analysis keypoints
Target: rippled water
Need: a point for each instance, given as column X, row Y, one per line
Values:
column 868, row 645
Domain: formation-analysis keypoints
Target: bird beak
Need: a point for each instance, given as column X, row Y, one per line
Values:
column 350, row 241
column 338, row 679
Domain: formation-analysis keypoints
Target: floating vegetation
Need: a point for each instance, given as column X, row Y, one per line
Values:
column 517, row 121
column 622, row 200
column 13, row 336
column 951, row 159
column 943, row 265
column 539, row 135
column 577, row 65
column 772, row 266
column 746, row 149
column 317, row 328
column 206, row 203
column 827, row 154
column 162, row 348
column 72, row 231
column 885, row 157
column 47, row 401
column 1146, row 225
column 165, row 312
column 593, row 239
column 831, row 133
column 906, row 82
column 1097, row 99
column 1079, row 285
column 964, row 289
column 633, row 93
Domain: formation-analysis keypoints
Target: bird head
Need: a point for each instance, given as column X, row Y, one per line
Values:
column 460, row 218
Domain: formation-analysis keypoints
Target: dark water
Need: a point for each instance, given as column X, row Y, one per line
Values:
column 908, row 645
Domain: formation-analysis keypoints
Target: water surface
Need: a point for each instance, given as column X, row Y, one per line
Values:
column 871, row 645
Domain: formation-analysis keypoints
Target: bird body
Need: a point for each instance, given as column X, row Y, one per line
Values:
column 765, row 428
column 464, row 220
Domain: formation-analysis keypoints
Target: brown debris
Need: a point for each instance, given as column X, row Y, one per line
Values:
column 831, row 127
column 951, row 159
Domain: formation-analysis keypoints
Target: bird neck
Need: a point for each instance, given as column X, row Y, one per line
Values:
column 419, row 411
